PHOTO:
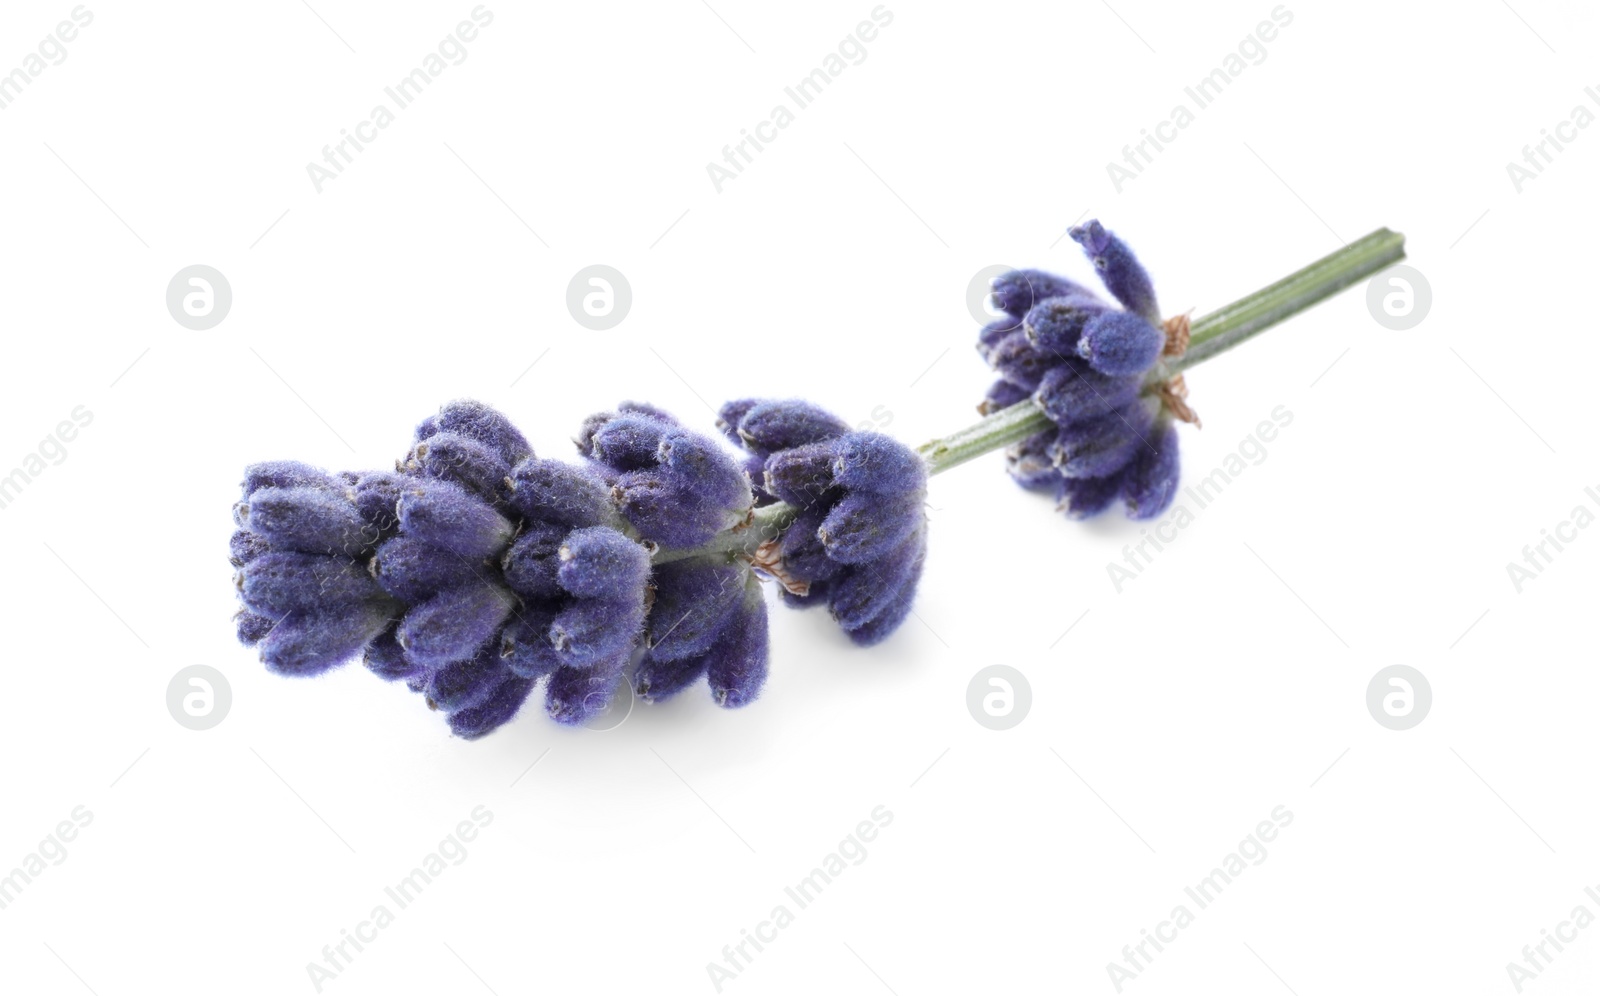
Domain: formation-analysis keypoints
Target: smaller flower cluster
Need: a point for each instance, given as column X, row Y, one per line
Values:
column 1093, row 369
column 858, row 539
column 678, row 489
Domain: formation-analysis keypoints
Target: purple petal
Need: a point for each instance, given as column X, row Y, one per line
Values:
column 1119, row 269
column 455, row 623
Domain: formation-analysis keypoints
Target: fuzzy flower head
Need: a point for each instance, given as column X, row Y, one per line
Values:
column 859, row 536
column 1095, row 370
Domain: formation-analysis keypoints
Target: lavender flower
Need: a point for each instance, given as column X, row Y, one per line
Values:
column 1095, row 371
column 860, row 519
column 674, row 487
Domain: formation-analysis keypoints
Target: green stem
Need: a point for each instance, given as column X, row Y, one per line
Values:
column 1232, row 324
column 1004, row 427
column 766, row 523
column 1209, row 335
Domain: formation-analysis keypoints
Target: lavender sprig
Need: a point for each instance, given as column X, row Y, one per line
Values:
column 476, row 571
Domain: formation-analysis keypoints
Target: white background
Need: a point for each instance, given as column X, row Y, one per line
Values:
column 1165, row 725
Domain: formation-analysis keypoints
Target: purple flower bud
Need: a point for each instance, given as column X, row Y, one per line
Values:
column 468, row 683
column 285, row 474
column 525, row 642
column 1054, row 325
column 451, row 456
column 1029, row 461
column 576, row 695
column 1119, row 269
column 698, row 463
column 276, row 584
column 693, row 599
column 497, row 710
column 376, row 493
column 990, row 336
column 755, row 472
column 450, row 517
column 1119, row 344
column 801, row 476
column 672, row 512
column 590, row 630
column 801, row 550
column 387, row 659
column 480, row 422
column 887, row 622
column 584, row 440
column 552, row 491
column 251, row 627
column 1086, row 497
column 600, row 562
column 656, row 680
column 629, row 442
column 1003, row 394
column 1016, row 360
column 731, row 414
column 703, row 458
column 454, row 624
column 1152, row 478
column 533, row 561
column 1017, row 292
column 872, row 461
column 736, row 665
column 784, row 425
column 412, row 570
column 869, row 590
column 311, row 520
column 312, row 641
column 1104, row 446
column 245, row 546
column 865, row 526
column 889, row 618
column 1073, row 393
